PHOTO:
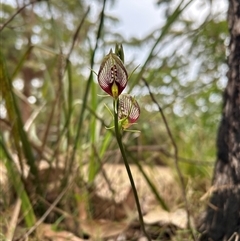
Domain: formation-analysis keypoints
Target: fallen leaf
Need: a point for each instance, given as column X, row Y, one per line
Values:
column 45, row 232
column 103, row 228
column 158, row 215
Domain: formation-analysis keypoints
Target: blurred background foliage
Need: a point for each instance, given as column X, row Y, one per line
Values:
column 184, row 64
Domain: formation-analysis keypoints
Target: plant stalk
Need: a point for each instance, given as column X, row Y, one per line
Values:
column 120, row 144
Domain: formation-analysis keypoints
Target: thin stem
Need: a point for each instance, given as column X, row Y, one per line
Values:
column 120, row 144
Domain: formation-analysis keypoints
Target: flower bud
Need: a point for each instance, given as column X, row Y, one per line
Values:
column 128, row 110
column 119, row 51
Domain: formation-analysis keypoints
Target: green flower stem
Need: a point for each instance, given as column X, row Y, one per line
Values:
column 120, row 144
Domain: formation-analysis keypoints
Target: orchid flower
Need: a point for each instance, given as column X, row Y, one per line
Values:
column 112, row 75
column 128, row 110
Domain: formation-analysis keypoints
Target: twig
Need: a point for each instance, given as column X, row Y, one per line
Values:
column 31, row 230
column 15, row 14
column 103, row 172
column 236, row 236
column 158, row 148
column 213, row 189
column 77, row 32
column 175, row 158
column 14, row 219
column 56, row 209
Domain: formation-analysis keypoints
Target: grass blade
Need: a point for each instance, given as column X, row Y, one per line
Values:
column 18, row 132
column 89, row 82
column 15, row 178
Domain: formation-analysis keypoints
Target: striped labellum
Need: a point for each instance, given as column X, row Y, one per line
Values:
column 112, row 75
column 128, row 110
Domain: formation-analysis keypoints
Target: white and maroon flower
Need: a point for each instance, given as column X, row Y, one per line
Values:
column 112, row 75
column 128, row 110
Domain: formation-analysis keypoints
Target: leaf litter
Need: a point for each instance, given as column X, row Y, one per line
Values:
column 113, row 213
